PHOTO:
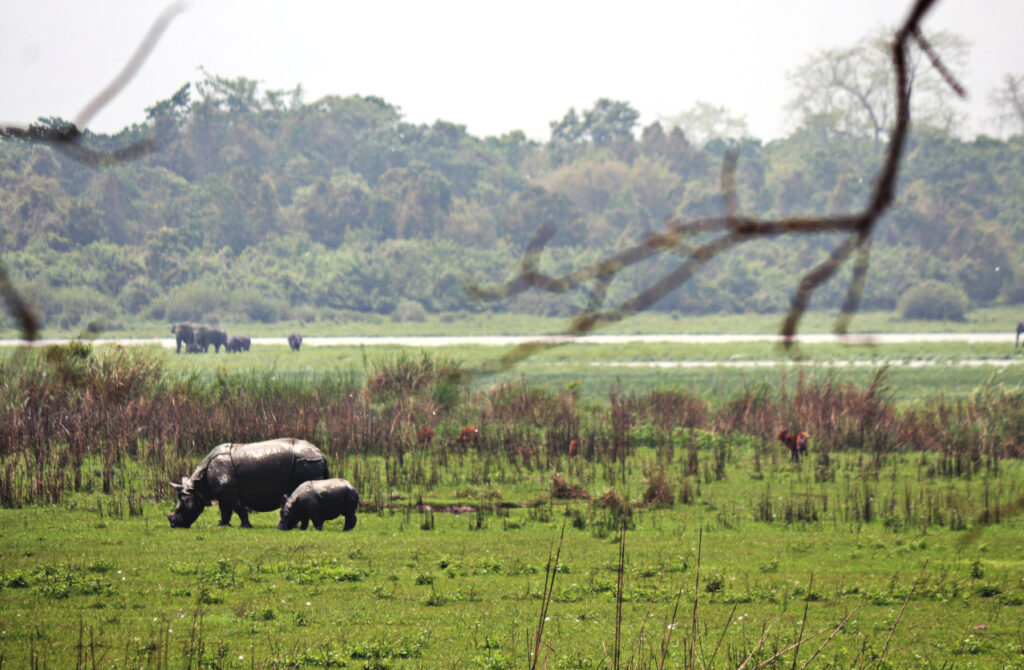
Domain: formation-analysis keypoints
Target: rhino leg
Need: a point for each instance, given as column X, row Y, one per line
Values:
column 350, row 522
column 304, row 524
column 229, row 504
column 318, row 522
column 226, row 507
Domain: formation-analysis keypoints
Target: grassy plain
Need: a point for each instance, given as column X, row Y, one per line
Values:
column 888, row 558
column 988, row 320
column 915, row 370
column 787, row 551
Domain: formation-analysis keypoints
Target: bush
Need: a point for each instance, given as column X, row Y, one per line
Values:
column 934, row 300
column 70, row 307
column 194, row 301
column 409, row 310
column 259, row 307
column 137, row 294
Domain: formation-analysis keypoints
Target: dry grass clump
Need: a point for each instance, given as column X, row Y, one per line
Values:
column 563, row 490
column 658, row 493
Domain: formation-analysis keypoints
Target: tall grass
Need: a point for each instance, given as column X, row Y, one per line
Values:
column 74, row 416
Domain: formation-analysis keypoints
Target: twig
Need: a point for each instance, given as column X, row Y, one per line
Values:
column 696, row 590
column 549, row 590
column 732, row 229
column 829, row 638
column 760, row 643
column 896, row 623
column 66, row 139
column 618, row 597
column 650, row 604
column 721, row 638
column 133, row 65
column 667, row 635
column 803, row 621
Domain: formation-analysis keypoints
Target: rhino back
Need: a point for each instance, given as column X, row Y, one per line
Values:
column 263, row 472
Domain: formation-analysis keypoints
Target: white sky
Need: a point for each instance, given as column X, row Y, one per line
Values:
column 493, row 66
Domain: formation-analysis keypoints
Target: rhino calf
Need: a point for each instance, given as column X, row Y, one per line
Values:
column 319, row 501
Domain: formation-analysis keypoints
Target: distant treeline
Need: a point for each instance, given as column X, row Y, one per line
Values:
column 260, row 206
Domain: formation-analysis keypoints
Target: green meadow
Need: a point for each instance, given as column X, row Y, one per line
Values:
column 678, row 532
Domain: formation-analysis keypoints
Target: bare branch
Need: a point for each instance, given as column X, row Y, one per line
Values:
column 66, row 139
column 733, row 229
column 134, row 64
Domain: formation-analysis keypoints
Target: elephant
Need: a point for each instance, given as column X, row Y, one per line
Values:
column 246, row 477
column 319, row 501
column 238, row 343
column 295, row 341
column 184, row 332
column 207, row 335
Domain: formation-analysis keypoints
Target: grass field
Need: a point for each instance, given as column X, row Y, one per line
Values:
column 915, row 370
column 989, row 320
column 896, row 543
column 770, row 548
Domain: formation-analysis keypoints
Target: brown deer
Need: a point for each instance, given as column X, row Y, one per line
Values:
column 468, row 435
column 424, row 436
column 797, row 443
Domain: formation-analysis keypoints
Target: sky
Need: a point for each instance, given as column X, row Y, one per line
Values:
column 492, row 66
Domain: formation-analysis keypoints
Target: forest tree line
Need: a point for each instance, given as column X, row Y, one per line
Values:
column 260, row 206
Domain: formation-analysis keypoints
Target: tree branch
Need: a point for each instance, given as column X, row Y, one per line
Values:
column 733, row 229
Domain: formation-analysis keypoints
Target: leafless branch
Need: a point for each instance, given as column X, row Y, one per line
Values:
column 732, row 230
column 67, row 139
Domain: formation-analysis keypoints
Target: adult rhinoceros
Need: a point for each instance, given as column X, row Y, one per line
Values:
column 244, row 477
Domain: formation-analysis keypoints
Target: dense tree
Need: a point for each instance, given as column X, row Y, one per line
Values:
column 341, row 205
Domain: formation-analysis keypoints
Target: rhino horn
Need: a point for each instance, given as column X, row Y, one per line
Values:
column 185, row 485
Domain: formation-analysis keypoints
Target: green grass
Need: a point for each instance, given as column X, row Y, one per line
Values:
column 102, row 581
column 990, row 319
column 84, row 580
column 591, row 365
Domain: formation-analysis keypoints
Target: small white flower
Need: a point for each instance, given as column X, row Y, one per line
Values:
column 308, row 603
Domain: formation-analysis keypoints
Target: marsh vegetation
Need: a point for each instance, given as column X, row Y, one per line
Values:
column 895, row 540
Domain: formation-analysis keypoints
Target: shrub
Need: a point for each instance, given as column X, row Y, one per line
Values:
column 658, row 492
column 137, row 294
column 409, row 310
column 563, row 490
column 259, row 307
column 69, row 307
column 935, row 300
column 194, row 301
